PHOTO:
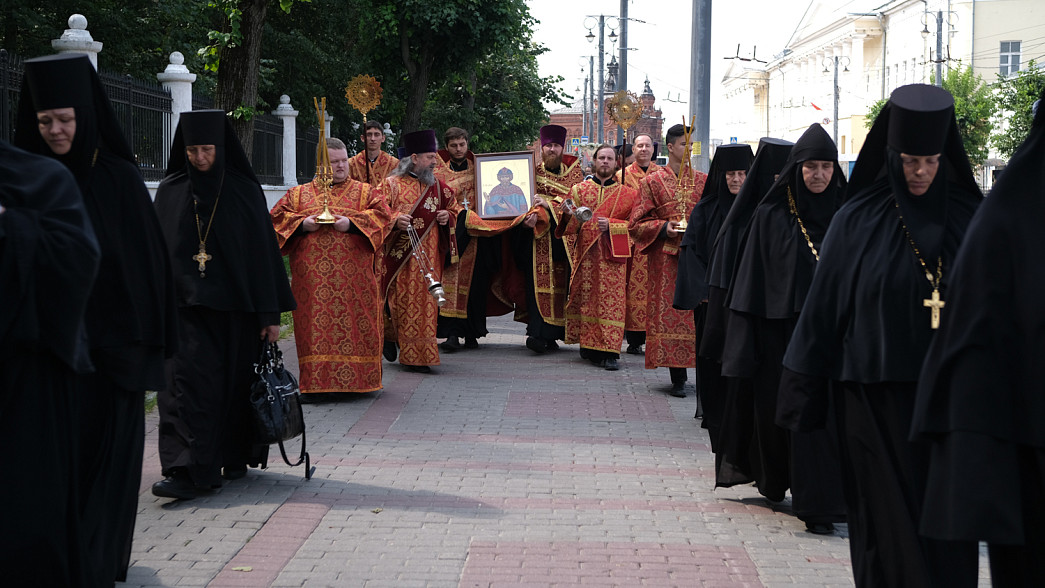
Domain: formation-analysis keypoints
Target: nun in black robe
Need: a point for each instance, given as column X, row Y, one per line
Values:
column 736, row 392
column 981, row 395
column 227, row 303
column 691, row 286
column 130, row 311
column 866, row 327
column 48, row 260
column 775, row 264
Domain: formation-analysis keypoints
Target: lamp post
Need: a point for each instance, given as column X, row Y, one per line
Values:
column 845, row 64
column 590, row 23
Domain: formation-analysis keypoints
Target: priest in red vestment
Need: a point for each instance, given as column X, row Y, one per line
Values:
column 539, row 252
column 372, row 165
column 338, row 324
column 599, row 250
column 418, row 199
column 631, row 175
column 667, row 196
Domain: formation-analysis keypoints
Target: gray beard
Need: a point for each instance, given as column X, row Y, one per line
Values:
column 426, row 176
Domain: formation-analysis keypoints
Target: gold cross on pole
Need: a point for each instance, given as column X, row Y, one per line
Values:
column 935, row 304
column 202, row 258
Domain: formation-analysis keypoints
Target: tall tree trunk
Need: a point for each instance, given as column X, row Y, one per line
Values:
column 238, row 71
column 419, row 71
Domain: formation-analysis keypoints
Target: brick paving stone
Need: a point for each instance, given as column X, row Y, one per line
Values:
column 503, row 468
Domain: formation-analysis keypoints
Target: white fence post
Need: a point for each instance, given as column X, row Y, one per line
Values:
column 76, row 39
column 290, row 161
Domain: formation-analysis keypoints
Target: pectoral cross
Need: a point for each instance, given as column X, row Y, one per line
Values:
column 202, row 258
column 935, row 304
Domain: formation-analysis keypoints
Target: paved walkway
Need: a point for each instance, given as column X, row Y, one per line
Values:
column 503, row 468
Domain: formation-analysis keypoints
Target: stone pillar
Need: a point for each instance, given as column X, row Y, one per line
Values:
column 330, row 119
column 290, row 161
column 177, row 79
column 76, row 39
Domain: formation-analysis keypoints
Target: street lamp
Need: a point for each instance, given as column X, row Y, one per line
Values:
column 590, row 23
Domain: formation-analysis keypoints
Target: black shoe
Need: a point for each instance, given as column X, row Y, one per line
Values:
column 585, row 354
column 471, row 343
column 312, row 397
column 178, row 486
column 390, row 351
column 234, row 473
column 635, row 350
column 552, row 345
column 418, row 369
column 820, row 528
column 536, row 345
column 678, row 390
column 611, row 364
column 451, row 344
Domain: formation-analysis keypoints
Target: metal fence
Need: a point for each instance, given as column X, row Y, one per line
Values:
column 144, row 113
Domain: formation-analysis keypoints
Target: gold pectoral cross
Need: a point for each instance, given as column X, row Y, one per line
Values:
column 202, row 258
column 935, row 304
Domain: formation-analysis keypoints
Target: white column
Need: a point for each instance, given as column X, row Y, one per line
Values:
column 330, row 119
column 178, row 80
column 76, row 39
column 290, row 161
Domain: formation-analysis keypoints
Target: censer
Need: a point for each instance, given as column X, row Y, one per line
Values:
column 435, row 288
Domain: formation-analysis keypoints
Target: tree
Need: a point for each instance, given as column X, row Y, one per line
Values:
column 1015, row 96
column 235, row 53
column 434, row 40
column 974, row 109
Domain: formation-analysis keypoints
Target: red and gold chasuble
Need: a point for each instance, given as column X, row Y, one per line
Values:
column 549, row 275
column 638, row 265
column 598, row 284
column 361, row 170
column 670, row 334
column 412, row 311
column 457, row 278
column 337, row 324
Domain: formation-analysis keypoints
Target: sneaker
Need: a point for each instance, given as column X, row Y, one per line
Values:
column 390, row 351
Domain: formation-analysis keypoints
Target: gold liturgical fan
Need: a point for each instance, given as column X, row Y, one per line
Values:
column 625, row 110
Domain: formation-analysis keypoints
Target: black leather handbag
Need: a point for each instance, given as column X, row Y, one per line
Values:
column 276, row 402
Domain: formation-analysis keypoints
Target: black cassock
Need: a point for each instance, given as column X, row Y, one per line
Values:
column 734, row 394
column 770, row 281
column 981, row 397
column 691, row 285
column 48, row 260
column 864, row 327
column 130, row 310
column 204, row 411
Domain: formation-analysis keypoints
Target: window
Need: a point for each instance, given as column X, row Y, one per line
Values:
column 1010, row 57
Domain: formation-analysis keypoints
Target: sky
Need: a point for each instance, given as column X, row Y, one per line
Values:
column 661, row 45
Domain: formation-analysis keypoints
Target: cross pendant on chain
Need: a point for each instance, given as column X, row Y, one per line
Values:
column 935, row 304
column 202, row 258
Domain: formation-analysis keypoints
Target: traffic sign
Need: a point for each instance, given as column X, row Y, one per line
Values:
column 732, row 139
column 575, row 141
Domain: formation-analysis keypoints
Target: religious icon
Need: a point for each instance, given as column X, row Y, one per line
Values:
column 505, row 184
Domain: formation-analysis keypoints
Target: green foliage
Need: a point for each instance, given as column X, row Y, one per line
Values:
column 872, row 114
column 1015, row 96
column 974, row 108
